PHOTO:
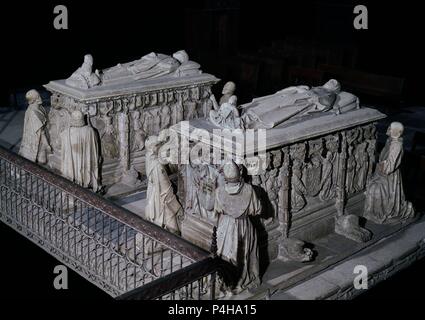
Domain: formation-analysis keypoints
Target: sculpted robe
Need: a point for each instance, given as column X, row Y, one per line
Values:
column 83, row 79
column 236, row 236
column 226, row 117
column 34, row 139
column 80, row 156
column 162, row 206
column 152, row 65
column 385, row 200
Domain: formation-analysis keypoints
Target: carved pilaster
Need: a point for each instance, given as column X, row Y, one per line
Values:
column 284, row 199
column 342, row 167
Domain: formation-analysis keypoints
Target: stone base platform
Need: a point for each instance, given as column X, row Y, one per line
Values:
column 331, row 275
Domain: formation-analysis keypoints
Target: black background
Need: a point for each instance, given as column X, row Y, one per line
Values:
column 33, row 53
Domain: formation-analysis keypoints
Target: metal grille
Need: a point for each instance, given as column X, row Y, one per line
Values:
column 106, row 244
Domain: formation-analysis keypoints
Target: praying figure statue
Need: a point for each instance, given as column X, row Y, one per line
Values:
column 227, row 116
column 228, row 91
column 162, row 207
column 385, row 200
column 84, row 77
column 236, row 201
column 80, row 153
column 34, row 145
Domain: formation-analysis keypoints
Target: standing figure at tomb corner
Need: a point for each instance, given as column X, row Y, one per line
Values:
column 385, row 199
column 34, row 145
column 84, row 77
column 228, row 91
column 235, row 202
column 80, row 153
column 162, row 207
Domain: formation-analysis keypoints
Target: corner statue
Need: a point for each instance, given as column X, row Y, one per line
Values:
column 236, row 236
column 34, row 145
column 80, row 153
column 84, row 77
column 385, row 200
column 162, row 206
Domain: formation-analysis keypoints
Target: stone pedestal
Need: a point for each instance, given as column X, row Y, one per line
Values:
column 313, row 171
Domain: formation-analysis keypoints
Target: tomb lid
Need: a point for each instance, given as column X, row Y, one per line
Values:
column 302, row 129
column 133, row 87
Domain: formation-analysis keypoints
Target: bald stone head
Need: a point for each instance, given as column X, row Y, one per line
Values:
column 395, row 130
column 229, row 88
column 33, row 97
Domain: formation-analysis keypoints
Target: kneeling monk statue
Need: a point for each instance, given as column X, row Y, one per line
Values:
column 385, row 200
column 236, row 201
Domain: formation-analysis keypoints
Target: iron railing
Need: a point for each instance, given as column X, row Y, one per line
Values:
column 108, row 245
column 194, row 282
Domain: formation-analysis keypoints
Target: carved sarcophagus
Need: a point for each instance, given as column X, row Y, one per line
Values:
column 309, row 166
column 126, row 104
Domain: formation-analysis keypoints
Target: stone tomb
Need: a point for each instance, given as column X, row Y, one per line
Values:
column 126, row 110
column 315, row 168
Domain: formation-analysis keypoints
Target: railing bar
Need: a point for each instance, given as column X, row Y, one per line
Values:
column 152, row 256
column 95, row 245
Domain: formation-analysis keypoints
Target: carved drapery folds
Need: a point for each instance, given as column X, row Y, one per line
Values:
column 361, row 145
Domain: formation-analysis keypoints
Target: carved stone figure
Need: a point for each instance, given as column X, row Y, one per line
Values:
column 295, row 250
column 165, row 117
column 313, row 172
column 328, row 185
column 201, row 187
column 139, row 134
column 228, row 90
column 294, row 102
column 162, row 207
column 191, row 112
column 362, row 166
column 298, row 189
column 34, row 144
column 152, row 65
column 327, row 190
column 156, row 113
column 58, row 121
column 272, row 188
column 236, row 201
column 84, row 77
column 385, row 199
column 207, row 104
column 178, row 112
column 108, row 139
column 227, row 116
column 148, row 125
column 80, row 153
column 371, row 149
